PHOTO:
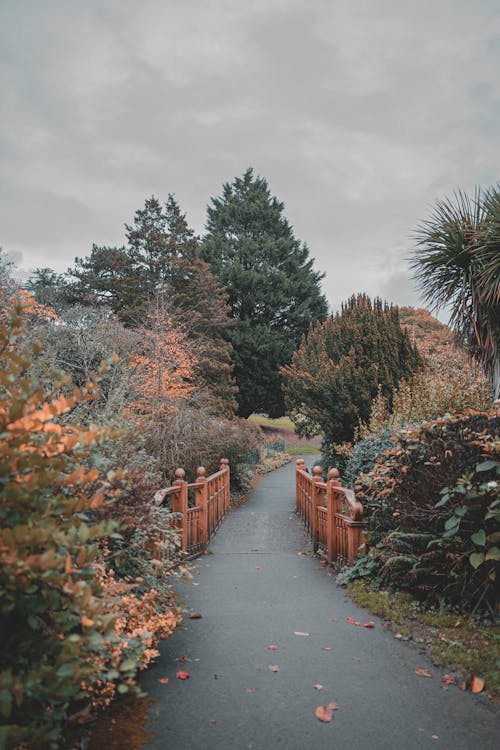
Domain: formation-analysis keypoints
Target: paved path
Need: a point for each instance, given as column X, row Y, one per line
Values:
column 254, row 591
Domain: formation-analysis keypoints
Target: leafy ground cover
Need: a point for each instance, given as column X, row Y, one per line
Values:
column 467, row 646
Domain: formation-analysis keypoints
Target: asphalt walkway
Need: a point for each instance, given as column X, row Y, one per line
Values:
column 259, row 589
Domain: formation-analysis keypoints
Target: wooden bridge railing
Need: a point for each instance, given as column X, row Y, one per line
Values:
column 331, row 514
column 196, row 525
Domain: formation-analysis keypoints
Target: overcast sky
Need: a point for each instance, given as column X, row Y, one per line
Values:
column 359, row 113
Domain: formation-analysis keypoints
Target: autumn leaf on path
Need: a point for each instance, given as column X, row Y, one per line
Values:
column 477, row 684
column 250, row 690
column 195, row 616
column 448, row 680
column 318, row 687
column 274, row 667
column 325, row 713
column 326, row 648
column 182, row 659
column 272, row 647
column 351, row 620
column 333, row 619
column 212, row 721
column 369, row 624
column 181, row 675
column 297, row 632
column 164, row 680
column 423, row 672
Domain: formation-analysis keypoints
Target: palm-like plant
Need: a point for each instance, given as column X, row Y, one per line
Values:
column 457, row 265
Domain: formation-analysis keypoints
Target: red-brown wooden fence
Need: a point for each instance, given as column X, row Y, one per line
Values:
column 197, row 524
column 332, row 515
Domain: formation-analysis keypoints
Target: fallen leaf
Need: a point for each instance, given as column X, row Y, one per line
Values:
column 423, row 672
column 274, row 667
column 435, row 737
column 333, row 619
column 457, row 624
column 326, row 648
column 369, row 624
column 257, row 567
column 297, row 632
column 182, row 675
column 333, row 706
column 164, row 680
column 182, row 659
column 318, row 687
column 195, row 616
column 477, row 684
column 272, row 647
column 212, row 721
column 386, row 624
column 351, row 620
column 323, row 713
column 216, row 676
column 87, row 622
column 250, row 690
column 448, row 680
column 463, row 685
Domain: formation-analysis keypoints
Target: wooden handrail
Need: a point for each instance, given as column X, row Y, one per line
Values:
column 331, row 513
column 197, row 524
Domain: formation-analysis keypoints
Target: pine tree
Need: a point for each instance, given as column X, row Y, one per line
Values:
column 273, row 291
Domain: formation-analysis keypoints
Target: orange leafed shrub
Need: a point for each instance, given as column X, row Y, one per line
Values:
column 164, row 369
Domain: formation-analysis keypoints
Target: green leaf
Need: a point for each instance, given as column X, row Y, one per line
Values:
column 476, row 559
column 452, row 523
column 493, row 554
column 127, row 665
column 443, row 501
column 479, row 538
column 122, row 689
column 486, row 465
column 67, row 670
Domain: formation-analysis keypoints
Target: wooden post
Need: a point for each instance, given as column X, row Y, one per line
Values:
column 316, row 499
column 354, row 540
column 299, row 466
column 332, row 507
column 224, row 465
column 202, row 502
column 180, row 505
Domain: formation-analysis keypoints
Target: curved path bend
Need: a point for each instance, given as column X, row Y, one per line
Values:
column 256, row 590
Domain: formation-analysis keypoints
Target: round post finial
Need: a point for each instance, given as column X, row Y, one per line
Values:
column 201, row 471
column 180, row 473
column 333, row 474
column 317, row 471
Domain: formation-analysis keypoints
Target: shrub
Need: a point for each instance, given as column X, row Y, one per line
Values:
column 432, row 504
column 194, row 437
column 69, row 635
column 363, row 456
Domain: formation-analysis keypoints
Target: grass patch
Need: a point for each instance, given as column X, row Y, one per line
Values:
column 285, row 422
column 455, row 642
column 298, row 449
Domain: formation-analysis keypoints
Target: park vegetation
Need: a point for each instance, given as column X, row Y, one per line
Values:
column 146, row 357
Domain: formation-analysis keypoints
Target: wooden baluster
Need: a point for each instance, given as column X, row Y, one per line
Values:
column 316, row 499
column 201, row 502
column 332, row 541
column 180, row 505
column 299, row 465
column 224, row 465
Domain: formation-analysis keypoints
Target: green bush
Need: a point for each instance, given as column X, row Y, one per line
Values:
column 364, row 455
column 432, row 507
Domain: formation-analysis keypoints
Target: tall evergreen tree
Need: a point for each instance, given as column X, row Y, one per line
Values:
column 340, row 365
column 273, row 291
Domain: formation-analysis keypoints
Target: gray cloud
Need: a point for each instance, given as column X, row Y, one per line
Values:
column 359, row 114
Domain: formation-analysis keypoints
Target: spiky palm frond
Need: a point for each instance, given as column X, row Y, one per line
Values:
column 456, row 263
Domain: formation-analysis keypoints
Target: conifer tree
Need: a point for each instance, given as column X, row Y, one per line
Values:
column 273, row 291
column 341, row 365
